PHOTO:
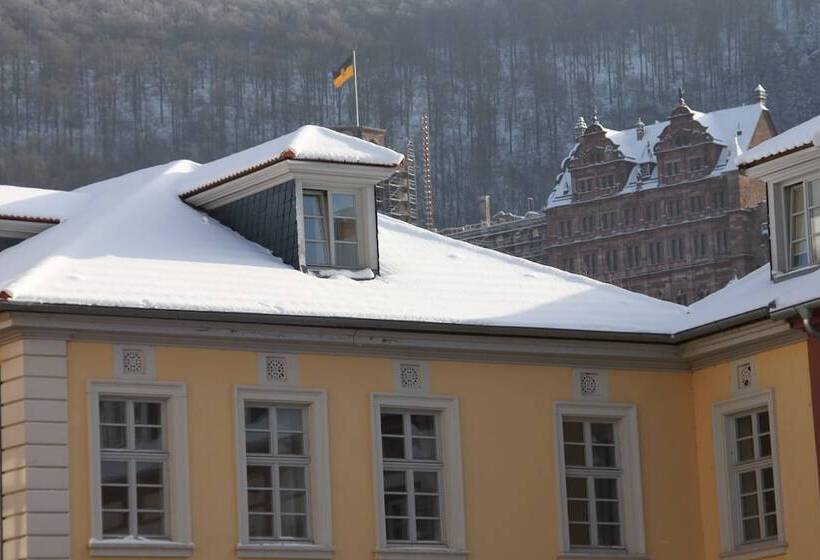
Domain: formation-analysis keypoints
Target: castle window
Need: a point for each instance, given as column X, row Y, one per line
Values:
column 696, row 204
column 590, row 264
column 719, row 198
column 612, row 260
column 633, row 256
column 699, row 244
column 655, row 251
column 676, row 249
column 721, row 242
column 695, row 163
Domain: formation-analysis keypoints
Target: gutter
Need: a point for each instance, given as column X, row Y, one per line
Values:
column 804, row 311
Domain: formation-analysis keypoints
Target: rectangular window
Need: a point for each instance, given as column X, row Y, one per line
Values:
column 331, row 229
column 803, row 202
column 747, row 473
column 655, row 251
column 719, row 198
column 600, row 478
column 133, row 465
column 633, row 255
column 612, row 260
column 139, row 468
column 568, row 264
column 590, row 264
column 721, row 242
column 276, row 461
column 699, row 244
column 419, row 482
column 284, row 472
column 676, row 249
column 412, row 477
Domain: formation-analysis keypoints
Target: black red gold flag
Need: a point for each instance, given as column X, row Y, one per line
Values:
column 346, row 71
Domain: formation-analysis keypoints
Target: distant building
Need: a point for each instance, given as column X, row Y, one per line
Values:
column 658, row 209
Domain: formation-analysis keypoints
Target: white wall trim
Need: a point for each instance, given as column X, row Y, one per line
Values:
column 628, row 436
column 319, row 497
column 729, row 531
column 453, row 514
column 175, row 397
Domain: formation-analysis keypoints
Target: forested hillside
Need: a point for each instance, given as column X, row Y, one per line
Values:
column 92, row 88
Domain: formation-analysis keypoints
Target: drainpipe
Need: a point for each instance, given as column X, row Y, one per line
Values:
column 806, row 314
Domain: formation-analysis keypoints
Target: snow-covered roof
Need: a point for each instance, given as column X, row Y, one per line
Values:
column 131, row 242
column 25, row 203
column 309, row 143
column 733, row 128
column 804, row 134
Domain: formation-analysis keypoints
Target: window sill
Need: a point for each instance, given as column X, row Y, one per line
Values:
column 288, row 550
column 351, row 273
column 139, row 547
column 767, row 550
column 419, row 553
column 601, row 555
column 779, row 276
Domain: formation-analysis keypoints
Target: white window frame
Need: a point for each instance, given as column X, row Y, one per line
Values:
column 366, row 253
column 807, row 236
column 730, row 531
column 320, row 531
column 454, row 544
column 627, row 438
column 175, row 426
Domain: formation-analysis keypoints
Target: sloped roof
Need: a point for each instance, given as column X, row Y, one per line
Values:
column 803, row 135
column 309, row 143
column 131, row 242
column 36, row 205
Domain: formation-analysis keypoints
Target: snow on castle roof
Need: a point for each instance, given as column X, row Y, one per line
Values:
column 803, row 135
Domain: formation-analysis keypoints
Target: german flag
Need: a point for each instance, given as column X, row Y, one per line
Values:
column 344, row 73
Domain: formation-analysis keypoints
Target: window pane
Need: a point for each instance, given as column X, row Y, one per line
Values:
column 425, row 481
column 579, row 534
column 798, row 227
column 344, row 205
column 578, row 510
column 392, row 424
column 149, row 473
column 576, row 487
column 316, row 253
column 768, row 478
column 602, row 433
column 260, row 501
column 607, row 512
column 394, row 481
column 147, row 413
column 290, row 444
column 312, row 204
column 606, row 489
column 763, row 422
column 769, row 503
column 112, row 437
column 112, row 412
column 397, row 529
column 427, row 506
column 796, row 199
column 574, row 455
column 114, row 472
column 393, row 447
column 424, row 449
column 260, row 526
column 745, row 449
column 603, row 456
column 259, row 477
column 800, row 255
column 427, row 530
column 395, row 505
column 150, row 497
column 292, row 477
column 148, row 438
column 114, row 497
column 751, row 529
column 765, row 446
column 346, row 254
column 574, row 432
column 609, row 535
column 115, row 523
column 771, row 525
column 814, row 193
column 748, row 505
column 289, row 419
column 256, row 418
column 294, row 526
column 315, row 229
column 743, row 426
column 257, row 442
column 293, row 501
column 423, row 425
column 344, row 230
column 748, row 482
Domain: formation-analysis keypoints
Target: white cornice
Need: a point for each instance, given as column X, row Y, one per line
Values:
column 22, row 229
column 786, row 167
column 324, row 173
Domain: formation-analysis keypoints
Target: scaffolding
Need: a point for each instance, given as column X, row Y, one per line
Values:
column 396, row 195
column 429, row 222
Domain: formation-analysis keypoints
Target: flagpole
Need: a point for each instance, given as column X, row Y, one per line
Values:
column 356, row 86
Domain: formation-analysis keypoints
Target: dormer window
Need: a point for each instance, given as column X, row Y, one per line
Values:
column 331, row 229
column 803, row 206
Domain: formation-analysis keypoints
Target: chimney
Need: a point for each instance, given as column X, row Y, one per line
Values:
column 580, row 128
column 760, row 95
column 640, row 129
column 484, row 209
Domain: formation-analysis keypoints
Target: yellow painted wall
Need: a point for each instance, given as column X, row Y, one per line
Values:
column 507, row 441
column 785, row 370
